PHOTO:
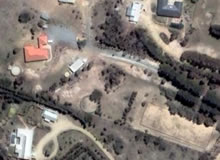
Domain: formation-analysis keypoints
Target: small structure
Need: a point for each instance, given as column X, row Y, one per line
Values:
column 50, row 115
column 45, row 16
column 177, row 23
column 31, row 53
column 133, row 12
column 77, row 65
column 67, row 74
column 169, row 10
column 15, row 70
column 22, row 140
column 67, row 1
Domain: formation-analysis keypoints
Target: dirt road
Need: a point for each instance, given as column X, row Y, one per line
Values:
column 146, row 21
column 63, row 124
column 144, row 64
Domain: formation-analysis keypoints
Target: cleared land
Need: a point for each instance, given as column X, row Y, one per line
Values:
column 179, row 129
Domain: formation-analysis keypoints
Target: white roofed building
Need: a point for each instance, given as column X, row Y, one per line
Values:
column 67, row 1
column 77, row 65
column 50, row 115
column 134, row 11
column 22, row 139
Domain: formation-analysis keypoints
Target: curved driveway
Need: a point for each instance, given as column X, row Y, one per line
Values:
column 63, row 124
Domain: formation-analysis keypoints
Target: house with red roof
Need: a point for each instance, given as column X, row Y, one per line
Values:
column 40, row 53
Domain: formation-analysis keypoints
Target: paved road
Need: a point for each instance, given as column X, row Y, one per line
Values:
column 63, row 124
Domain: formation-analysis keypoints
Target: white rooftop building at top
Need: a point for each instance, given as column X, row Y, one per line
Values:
column 134, row 11
column 67, row 1
column 77, row 65
column 22, row 140
column 50, row 115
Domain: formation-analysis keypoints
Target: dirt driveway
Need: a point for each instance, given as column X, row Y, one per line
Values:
column 63, row 124
column 146, row 21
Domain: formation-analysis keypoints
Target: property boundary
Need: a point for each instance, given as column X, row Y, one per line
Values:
column 175, row 139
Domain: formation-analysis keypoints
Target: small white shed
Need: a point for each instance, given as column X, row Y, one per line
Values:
column 67, row 1
column 77, row 65
column 133, row 12
column 50, row 115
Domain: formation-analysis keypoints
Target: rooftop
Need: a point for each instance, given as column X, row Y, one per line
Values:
column 78, row 64
column 133, row 12
column 31, row 53
column 67, row 1
column 50, row 115
column 169, row 10
column 42, row 40
column 23, row 143
column 35, row 54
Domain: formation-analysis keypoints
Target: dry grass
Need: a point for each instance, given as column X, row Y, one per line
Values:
column 177, row 128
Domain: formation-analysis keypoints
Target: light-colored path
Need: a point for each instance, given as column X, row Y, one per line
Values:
column 152, row 66
column 63, row 124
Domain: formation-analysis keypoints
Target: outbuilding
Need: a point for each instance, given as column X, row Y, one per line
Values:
column 67, row 1
column 77, row 65
column 133, row 12
column 50, row 115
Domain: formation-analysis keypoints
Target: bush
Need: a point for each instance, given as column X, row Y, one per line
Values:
column 214, row 31
column 25, row 17
column 118, row 146
column 164, row 38
column 96, row 96
column 194, row 1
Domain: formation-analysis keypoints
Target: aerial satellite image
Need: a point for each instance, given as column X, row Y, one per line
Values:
column 110, row 80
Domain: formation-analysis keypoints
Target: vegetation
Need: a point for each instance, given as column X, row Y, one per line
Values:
column 164, row 38
column 180, row 80
column 186, row 98
column 214, row 31
column 113, row 76
column 201, row 60
column 96, row 96
column 118, row 146
column 128, row 108
column 25, row 17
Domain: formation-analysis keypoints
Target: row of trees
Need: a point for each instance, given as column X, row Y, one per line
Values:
column 212, row 99
column 128, row 108
column 180, row 80
column 201, row 60
column 186, row 98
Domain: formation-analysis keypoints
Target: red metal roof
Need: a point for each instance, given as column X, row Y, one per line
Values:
column 42, row 40
column 35, row 54
column 32, row 53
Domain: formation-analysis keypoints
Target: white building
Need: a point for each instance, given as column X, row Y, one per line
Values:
column 77, row 65
column 45, row 16
column 50, row 115
column 67, row 1
column 134, row 11
column 22, row 139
